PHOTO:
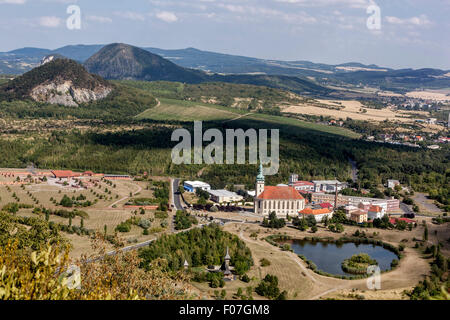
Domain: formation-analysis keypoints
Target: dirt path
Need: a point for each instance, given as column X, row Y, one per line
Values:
column 237, row 118
column 125, row 198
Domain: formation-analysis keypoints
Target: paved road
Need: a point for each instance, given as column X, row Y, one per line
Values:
column 175, row 195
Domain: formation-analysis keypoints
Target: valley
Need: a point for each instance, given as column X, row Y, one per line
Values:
column 95, row 169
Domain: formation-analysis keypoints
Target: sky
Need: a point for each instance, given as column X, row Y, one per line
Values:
column 389, row 33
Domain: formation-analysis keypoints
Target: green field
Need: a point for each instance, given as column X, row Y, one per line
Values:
column 179, row 110
column 186, row 111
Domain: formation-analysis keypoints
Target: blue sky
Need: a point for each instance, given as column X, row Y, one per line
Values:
column 414, row 33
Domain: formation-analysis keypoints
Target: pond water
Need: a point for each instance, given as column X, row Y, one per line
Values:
column 328, row 257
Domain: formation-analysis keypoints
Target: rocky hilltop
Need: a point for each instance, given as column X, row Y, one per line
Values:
column 58, row 81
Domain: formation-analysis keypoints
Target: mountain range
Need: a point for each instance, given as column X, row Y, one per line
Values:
column 349, row 74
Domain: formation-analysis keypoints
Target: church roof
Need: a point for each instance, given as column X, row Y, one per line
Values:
column 280, row 193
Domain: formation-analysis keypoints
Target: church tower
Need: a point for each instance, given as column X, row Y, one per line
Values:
column 260, row 181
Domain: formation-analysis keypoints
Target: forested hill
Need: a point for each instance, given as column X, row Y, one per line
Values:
column 121, row 61
column 125, row 62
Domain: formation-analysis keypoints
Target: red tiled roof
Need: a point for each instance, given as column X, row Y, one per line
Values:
column 280, row 193
column 326, row 205
column 394, row 220
column 375, row 209
column 315, row 211
column 302, row 183
column 63, row 173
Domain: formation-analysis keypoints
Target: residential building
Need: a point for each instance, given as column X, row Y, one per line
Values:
column 326, row 205
column 224, row 196
column 192, row 186
column 376, row 212
column 391, row 205
column 393, row 183
column 359, row 216
column 349, row 209
column 281, row 200
column 318, row 214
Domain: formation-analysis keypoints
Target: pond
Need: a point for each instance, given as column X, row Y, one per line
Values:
column 328, row 257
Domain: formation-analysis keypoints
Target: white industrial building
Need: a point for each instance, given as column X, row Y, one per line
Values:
column 328, row 185
column 192, row 186
column 224, row 196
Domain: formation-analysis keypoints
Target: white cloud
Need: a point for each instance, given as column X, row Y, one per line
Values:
column 419, row 21
column 130, row 15
column 99, row 19
column 13, row 1
column 49, row 22
column 167, row 16
column 321, row 3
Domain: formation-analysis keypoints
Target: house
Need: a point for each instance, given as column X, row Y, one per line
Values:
column 376, row 212
column 318, row 214
column 192, row 186
column 224, row 196
column 281, row 200
column 88, row 173
column 359, row 216
column 349, row 209
column 326, row 205
column 64, row 174
column 394, row 221
column 393, row 183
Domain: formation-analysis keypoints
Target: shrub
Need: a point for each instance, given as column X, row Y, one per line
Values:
column 264, row 262
column 124, row 227
column 145, row 224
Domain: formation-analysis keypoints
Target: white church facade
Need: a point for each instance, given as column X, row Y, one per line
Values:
column 282, row 200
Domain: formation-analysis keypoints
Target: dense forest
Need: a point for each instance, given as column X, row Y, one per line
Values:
column 199, row 247
column 311, row 154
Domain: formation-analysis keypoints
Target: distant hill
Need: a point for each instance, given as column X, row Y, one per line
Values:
column 352, row 73
column 120, row 61
column 125, row 62
column 60, row 81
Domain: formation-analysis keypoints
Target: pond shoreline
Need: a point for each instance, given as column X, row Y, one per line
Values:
column 275, row 239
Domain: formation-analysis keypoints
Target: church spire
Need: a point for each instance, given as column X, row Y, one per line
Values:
column 260, row 176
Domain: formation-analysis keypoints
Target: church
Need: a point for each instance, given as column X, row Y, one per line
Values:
column 283, row 201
